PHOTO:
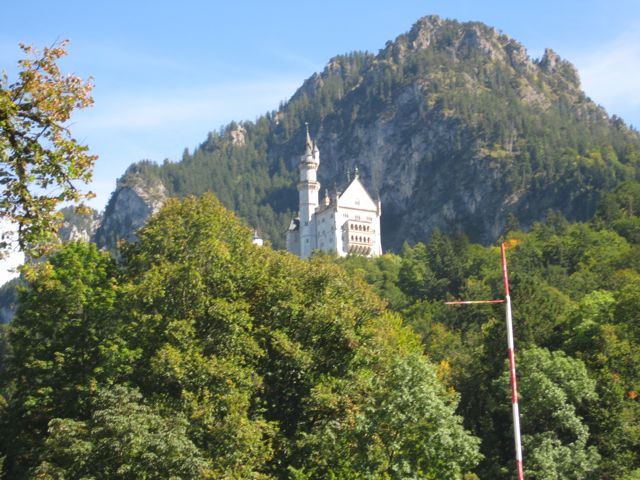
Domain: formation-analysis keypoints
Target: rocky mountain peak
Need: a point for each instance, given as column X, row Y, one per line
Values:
column 424, row 31
column 453, row 124
column 238, row 134
column 78, row 226
column 461, row 41
column 552, row 64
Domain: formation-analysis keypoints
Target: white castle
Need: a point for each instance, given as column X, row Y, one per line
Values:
column 342, row 223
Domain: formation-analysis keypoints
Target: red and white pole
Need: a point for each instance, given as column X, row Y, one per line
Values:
column 512, row 367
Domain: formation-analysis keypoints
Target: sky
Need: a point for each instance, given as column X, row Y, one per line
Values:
column 166, row 73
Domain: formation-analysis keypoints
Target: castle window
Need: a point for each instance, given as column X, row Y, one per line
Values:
column 357, row 201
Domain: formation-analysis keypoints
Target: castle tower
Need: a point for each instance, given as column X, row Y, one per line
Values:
column 308, row 188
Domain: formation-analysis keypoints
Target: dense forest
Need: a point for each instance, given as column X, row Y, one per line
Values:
column 576, row 301
column 200, row 355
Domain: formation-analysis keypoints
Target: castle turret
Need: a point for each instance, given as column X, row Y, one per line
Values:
column 308, row 188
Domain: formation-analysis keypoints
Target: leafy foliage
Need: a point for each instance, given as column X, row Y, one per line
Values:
column 244, row 361
column 574, row 291
column 39, row 159
column 123, row 438
column 552, row 387
column 64, row 342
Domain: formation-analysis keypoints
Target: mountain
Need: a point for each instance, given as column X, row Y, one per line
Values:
column 452, row 124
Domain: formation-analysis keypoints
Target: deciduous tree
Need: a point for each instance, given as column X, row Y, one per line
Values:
column 40, row 161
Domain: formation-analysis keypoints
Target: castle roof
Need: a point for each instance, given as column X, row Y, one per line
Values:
column 356, row 194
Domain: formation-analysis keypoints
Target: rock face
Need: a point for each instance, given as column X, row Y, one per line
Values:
column 79, row 227
column 452, row 124
column 136, row 197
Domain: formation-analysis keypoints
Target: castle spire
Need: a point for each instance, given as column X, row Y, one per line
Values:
column 308, row 188
column 308, row 143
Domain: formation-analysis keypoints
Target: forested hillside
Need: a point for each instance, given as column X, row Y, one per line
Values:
column 452, row 124
column 576, row 302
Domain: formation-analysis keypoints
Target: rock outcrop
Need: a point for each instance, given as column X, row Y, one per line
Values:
column 135, row 199
column 79, row 226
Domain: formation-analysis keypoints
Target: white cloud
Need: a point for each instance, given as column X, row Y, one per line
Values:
column 169, row 107
column 610, row 75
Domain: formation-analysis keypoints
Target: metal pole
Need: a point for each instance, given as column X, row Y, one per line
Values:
column 512, row 367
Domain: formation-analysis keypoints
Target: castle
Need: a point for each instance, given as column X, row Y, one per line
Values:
column 343, row 223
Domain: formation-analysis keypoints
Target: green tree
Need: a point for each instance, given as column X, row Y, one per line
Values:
column 65, row 341
column 39, row 159
column 553, row 388
column 267, row 355
column 274, row 363
column 604, row 335
column 401, row 427
column 123, row 438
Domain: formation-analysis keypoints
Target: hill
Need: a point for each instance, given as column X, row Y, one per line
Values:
column 452, row 124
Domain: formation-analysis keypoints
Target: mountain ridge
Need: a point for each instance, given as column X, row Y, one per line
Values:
column 452, row 124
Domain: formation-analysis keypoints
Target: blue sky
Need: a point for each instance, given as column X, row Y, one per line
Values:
column 167, row 73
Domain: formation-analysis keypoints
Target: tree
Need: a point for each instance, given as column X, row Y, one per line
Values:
column 278, row 362
column 398, row 423
column 553, row 388
column 123, row 438
column 263, row 355
column 65, row 341
column 39, row 159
